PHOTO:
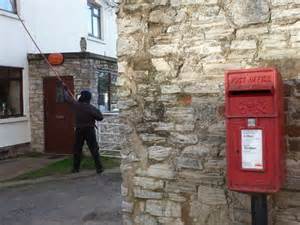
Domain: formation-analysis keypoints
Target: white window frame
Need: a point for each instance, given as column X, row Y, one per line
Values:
column 101, row 21
column 21, row 86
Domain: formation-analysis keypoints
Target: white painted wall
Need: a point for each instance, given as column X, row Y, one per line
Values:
column 57, row 25
column 13, row 52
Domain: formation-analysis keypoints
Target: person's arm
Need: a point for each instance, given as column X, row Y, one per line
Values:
column 75, row 106
column 67, row 97
column 97, row 114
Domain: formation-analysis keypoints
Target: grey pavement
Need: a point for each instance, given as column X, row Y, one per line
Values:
column 94, row 200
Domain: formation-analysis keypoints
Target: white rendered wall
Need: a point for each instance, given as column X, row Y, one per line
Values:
column 58, row 26
column 13, row 52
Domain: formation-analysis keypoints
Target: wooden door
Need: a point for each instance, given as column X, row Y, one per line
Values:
column 59, row 119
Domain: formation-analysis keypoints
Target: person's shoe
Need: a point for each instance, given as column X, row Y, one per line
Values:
column 99, row 171
column 75, row 171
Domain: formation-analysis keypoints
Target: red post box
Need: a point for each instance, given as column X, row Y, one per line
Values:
column 255, row 130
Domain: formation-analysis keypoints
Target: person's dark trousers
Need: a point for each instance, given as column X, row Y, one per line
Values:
column 87, row 134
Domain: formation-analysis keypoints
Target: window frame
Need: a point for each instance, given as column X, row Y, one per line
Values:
column 9, row 68
column 15, row 7
column 109, row 88
column 91, row 6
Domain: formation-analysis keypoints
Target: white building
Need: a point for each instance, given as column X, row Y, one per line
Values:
column 57, row 26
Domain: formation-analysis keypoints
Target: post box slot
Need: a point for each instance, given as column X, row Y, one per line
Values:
column 250, row 100
column 250, row 92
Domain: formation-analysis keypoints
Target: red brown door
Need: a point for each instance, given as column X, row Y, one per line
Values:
column 59, row 119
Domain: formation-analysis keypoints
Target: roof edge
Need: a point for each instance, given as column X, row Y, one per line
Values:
column 73, row 55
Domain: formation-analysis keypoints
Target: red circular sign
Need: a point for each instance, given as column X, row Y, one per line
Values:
column 56, row 59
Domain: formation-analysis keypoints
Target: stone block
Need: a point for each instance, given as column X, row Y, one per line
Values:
column 211, row 195
column 186, row 127
column 152, row 138
column 195, row 177
column 127, row 220
column 246, row 12
column 294, row 144
column 162, row 171
column 127, row 46
column 243, row 45
column 180, row 114
column 131, row 25
column 196, row 151
column 161, row 126
column 173, row 209
column 176, row 197
column 146, row 219
column 183, row 139
column 181, row 186
column 202, row 88
column 155, row 208
column 188, row 163
column 192, row 2
column 161, row 65
column 163, row 50
column 160, row 2
column 127, row 207
column 146, row 194
column 209, row 214
column 163, row 208
column 162, row 16
column 205, row 48
column 278, row 41
column 159, row 153
column 170, row 89
column 215, row 166
column 124, row 191
column 284, row 2
column 148, row 183
column 251, row 32
column 285, row 15
column 286, row 199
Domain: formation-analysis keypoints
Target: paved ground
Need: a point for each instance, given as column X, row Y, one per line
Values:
column 13, row 167
column 86, row 201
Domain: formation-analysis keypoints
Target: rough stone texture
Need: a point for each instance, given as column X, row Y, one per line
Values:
column 14, row 151
column 84, row 70
column 172, row 58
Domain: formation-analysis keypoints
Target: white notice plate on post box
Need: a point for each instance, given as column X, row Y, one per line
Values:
column 252, row 149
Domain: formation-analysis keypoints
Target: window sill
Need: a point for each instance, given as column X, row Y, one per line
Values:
column 93, row 39
column 9, row 14
column 110, row 113
column 14, row 120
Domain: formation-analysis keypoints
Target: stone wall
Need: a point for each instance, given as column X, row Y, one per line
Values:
column 110, row 138
column 82, row 66
column 172, row 58
column 14, row 151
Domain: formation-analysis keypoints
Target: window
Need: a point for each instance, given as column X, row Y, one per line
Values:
column 95, row 26
column 59, row 93
column 11, row 92
column 8, row 5
column 107, row 99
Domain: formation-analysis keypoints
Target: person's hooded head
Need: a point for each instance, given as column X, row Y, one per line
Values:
column 85, row 96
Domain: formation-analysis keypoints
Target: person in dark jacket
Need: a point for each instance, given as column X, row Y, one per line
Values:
column 85, row 117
